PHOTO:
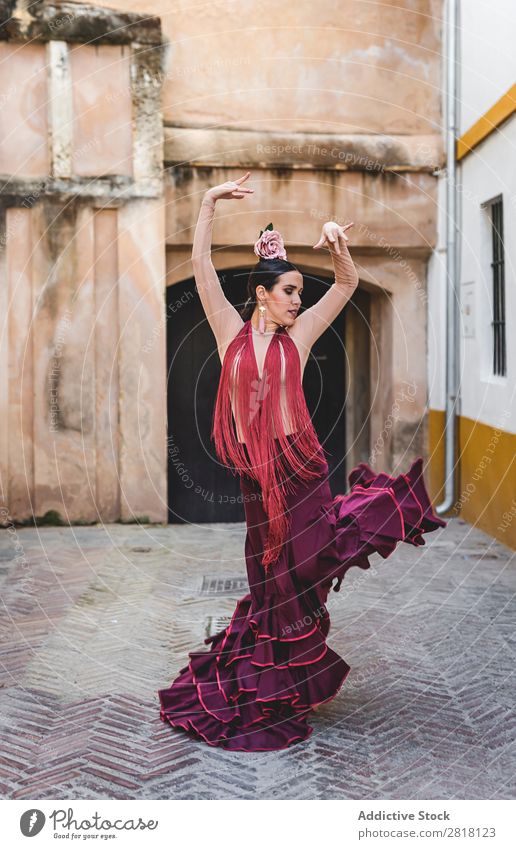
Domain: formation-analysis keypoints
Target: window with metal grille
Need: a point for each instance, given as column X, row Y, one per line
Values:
column 498, row 277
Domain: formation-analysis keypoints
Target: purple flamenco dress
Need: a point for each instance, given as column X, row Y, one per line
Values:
column 254, row 687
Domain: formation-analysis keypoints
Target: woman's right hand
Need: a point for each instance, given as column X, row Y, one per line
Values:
column 233, row 189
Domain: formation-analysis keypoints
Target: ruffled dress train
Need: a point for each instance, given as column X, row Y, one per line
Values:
column 253, row 689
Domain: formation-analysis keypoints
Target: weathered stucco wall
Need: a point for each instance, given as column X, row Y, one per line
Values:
column 336, row 111
column 327, row 67
column 82, row 262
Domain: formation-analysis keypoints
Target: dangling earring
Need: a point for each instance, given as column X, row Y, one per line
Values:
column 261, row 320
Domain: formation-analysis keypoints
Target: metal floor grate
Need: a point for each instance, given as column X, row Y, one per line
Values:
column 223, row 586
column 214, row 624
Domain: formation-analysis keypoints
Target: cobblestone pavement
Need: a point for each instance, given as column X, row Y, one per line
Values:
column 96, row 619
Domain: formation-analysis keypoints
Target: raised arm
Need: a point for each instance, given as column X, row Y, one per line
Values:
column 311, row 323
column 223, row 318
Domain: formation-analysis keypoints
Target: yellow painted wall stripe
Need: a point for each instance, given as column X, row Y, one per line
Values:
column 481, row 129
column 485, row 494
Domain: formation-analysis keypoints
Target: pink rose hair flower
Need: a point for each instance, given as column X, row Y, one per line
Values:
column 270, row 245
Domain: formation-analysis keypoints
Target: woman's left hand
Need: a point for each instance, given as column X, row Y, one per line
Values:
column 332, row 234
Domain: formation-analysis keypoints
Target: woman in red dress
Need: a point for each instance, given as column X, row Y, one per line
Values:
column 253, row 689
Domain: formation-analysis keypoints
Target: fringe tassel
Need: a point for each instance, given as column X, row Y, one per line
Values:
column 275, row 462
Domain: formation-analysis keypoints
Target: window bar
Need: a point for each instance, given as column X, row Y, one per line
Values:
column 499, row 347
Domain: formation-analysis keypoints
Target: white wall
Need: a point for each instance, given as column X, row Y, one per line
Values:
column 488, row 56
column 489, row 171
column 488, row 70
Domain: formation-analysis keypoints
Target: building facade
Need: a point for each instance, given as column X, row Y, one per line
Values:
column 119, row 121
column 486, row 191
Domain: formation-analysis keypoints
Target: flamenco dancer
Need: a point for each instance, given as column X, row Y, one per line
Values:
column 254, row 688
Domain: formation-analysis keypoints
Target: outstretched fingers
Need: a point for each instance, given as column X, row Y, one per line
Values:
column 331, row 235
column 241, row 191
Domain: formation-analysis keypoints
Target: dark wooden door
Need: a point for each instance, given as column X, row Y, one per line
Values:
column 200, row 489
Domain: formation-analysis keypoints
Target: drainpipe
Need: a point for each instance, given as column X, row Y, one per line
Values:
column 452, row 282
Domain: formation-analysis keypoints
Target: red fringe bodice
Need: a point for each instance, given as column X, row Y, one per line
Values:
column 274, row 462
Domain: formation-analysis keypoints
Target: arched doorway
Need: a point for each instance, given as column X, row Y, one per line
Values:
column 200, row 488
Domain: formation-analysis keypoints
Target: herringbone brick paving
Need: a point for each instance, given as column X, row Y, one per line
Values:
column 95, row 620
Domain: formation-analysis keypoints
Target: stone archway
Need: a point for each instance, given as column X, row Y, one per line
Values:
column 336, row 381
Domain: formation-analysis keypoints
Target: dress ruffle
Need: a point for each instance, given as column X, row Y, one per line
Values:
column 378, row 512
column 251, row 690
column 254, row 687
